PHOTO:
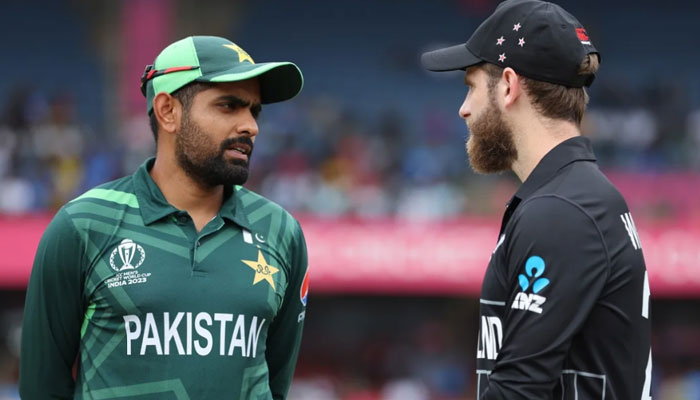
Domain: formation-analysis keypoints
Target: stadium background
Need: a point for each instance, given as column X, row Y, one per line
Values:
column 370, row 157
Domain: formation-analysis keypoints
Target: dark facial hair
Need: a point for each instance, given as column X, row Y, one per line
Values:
column 490, row 146
column 204, row 161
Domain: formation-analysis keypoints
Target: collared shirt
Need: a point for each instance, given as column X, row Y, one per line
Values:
column 565, row 300
column 151, row 307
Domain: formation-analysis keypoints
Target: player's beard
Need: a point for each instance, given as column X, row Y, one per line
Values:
column 204, row 161
column 490, row 146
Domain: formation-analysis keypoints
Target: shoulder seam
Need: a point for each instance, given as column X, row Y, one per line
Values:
column 584, row 212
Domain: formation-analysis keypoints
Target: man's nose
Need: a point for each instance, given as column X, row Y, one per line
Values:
column 465, row 110
column 249, row 126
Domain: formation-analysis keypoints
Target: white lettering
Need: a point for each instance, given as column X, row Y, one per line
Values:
column 170, row 332
column 222, row 318
column 245, row 333
column 150, row 335
column 253, row 336
column 131, row 334
column 491, row 338
column 238, row 337
column 189, row 333
column 528, row 302
column 204, row 333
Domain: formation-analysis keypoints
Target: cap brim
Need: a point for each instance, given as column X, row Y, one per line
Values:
column 279, row 81
column 449, row 59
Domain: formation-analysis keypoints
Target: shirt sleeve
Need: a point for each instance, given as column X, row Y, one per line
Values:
column 285, row 332
column 53, row 314
column 557, row 265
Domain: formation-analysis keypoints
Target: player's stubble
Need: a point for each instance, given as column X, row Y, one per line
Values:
column 490, row 146
column 204, row 161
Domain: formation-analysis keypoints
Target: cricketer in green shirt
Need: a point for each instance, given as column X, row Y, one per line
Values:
column 128, row 299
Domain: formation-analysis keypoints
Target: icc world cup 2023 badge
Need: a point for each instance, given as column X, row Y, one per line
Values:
column 127, row 250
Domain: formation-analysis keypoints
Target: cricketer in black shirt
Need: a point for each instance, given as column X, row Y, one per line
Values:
column 565, row 300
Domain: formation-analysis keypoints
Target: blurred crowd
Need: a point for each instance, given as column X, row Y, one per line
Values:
column 47, row 155
column 314, row 156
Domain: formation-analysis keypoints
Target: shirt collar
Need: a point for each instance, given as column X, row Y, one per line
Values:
column 574, row 149
column 154, row 206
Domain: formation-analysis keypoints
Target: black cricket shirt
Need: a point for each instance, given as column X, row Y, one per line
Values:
column 564, row 307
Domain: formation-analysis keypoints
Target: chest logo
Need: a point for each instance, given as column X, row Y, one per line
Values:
column 263, row 270
column 131, row 256
column 534, row 268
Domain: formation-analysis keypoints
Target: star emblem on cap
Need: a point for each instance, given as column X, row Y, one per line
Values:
column 502, row 57
column 516, row 27
column 521, row 42
column 500, row 41
column 242, row 55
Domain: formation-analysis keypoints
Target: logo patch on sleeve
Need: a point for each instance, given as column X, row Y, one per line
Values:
column 304, row 292
column 532, row 279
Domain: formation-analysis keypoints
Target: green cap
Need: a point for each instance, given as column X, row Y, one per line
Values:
column 215, row 59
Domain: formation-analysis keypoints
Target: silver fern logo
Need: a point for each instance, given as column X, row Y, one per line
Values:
column 127, row 251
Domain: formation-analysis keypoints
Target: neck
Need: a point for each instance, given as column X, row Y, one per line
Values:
column 185, row 193
column 536, row 137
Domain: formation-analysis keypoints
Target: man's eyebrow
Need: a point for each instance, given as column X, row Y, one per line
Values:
column 235, row 100
column 240, row 103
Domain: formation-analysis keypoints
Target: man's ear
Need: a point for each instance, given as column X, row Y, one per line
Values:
column 512, row 89
column 168, row 111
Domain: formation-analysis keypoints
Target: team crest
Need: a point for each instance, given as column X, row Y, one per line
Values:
column 128, row 255
column 263, row 270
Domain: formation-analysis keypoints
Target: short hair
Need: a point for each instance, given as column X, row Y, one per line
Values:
column 552, row 100
column 184, row 95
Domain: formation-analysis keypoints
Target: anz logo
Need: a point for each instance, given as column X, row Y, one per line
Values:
column 534, row 268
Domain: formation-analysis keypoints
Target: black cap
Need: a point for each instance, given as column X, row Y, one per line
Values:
column 539, row 40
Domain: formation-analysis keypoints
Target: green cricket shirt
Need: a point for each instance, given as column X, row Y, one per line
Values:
column 125, row 287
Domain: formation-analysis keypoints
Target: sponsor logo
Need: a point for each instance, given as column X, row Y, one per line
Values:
column 304, row 292
column 236, row 335
column 534, row 268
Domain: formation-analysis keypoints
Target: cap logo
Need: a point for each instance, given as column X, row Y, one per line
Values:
column 582, row 36
column 242, row 55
